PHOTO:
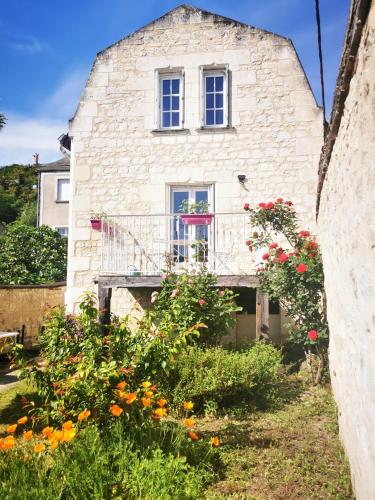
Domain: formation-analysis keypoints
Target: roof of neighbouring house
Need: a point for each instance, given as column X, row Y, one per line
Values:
column 61, row 165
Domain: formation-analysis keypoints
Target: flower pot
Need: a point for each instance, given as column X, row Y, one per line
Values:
column 96, row 224
column 197, row 219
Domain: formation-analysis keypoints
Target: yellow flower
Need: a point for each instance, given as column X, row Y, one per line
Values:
column 162, row 402
column 160, row 412
column 188, row 405
column 121, row 385
column 146, row 401
column 193, row 436
column 38, row 448
column 67, row 425
column 189, row 422
column 149, row 394
column 84, row 415
column 22, row 420
column 8, row 442
column 27, row 435
column 215, row 441
column 12, row 428
column 47, row 431
column 68, row 435
column 116, row 410
column 146, row 384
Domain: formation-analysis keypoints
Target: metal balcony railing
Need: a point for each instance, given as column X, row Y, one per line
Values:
column 143, row 245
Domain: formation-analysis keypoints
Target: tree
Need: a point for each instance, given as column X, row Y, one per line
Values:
column 31, row 255
column 292, row 273
column 2, row 120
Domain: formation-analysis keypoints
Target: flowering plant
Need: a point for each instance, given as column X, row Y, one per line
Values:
column 291, row 272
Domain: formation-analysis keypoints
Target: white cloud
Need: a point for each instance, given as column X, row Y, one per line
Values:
column 28, row 44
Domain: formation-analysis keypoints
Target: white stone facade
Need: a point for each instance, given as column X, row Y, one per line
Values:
column 120, row 166
column 347, row 234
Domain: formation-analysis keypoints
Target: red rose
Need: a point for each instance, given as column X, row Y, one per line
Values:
column 201, row 302
column 301, row 268
column 262, row 205
column 279, row 200
column 260, row 269
column 248, row 243
column 304, row 234
column 289, row 203
column 310, row 255
column 270, row 205
column 283, row 257
column 274, row 245
column 246, row 206
column 265, row 256
column 312, row 335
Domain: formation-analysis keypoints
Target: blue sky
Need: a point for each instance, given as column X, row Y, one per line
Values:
column 47, row 48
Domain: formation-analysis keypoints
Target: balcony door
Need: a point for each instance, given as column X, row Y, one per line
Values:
column 190, row 243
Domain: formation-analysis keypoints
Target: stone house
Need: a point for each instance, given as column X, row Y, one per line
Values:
column 192, row 108
column 346, row 228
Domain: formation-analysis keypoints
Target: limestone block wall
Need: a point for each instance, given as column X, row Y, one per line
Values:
column 28, row 305
column 120, row 166
column 347, row 234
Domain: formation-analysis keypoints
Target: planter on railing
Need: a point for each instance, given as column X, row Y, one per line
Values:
column 197, row 219
column 100, row 225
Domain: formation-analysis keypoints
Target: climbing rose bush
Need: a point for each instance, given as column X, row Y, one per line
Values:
column 291, row 272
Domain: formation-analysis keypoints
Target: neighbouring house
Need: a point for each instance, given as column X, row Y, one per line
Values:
column 54, row 194
column 193, row 108
column 346, row 223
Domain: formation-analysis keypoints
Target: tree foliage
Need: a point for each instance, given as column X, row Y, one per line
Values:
column 2, row 120
column 31, row 255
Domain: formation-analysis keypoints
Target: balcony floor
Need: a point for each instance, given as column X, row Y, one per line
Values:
column 154, row 281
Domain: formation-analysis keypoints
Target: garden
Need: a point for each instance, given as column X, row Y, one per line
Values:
column 162, row 410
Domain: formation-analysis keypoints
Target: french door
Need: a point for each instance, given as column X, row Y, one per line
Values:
column 190, row 243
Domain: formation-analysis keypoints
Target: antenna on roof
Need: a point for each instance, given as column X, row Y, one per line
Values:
column 36, row 158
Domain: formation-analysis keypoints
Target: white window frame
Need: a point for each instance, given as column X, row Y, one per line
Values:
column 174, row 75
column 214, row 71
column 58, row 192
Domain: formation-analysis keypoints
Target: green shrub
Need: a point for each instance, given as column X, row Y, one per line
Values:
column 216, row 377
column 193, row 298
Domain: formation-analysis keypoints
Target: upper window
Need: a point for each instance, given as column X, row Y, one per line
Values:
column 171, row 101
column 215, row 98
column 63, row 231
column 63, row 190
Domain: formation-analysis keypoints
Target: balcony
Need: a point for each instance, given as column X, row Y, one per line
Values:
column 137, row 246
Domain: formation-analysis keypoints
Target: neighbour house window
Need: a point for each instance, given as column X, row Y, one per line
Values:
column 170, row 101
column 215, row 98
column 63, row 231
column 63, row 190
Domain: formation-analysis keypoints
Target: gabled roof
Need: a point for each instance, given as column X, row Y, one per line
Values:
column 61, row 165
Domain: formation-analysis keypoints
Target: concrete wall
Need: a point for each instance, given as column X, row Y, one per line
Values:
column 120, row 166
column 28, row 305
column 347, row 235
column 52, row 213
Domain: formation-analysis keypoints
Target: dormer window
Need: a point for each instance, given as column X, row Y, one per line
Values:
column 170, row 101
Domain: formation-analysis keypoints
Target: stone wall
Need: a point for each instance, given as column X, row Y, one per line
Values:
column 347, row 233
column 120, row 166
column 28, row 305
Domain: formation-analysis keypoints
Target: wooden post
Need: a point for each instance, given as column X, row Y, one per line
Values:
column 262, row 324
column 104, row 296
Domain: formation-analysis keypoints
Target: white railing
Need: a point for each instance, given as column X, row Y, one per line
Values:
column 137, row 245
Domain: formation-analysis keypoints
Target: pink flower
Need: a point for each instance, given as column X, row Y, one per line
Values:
column 201, row 302
column 265, row 256
column 270, row 205
column 248, row 243
column 246, row 206
column 301, row 268
column 274, row 245
column 262, row 205
column 279, row 200
column 175, row 292
column 312, row 335
column 289, row 203
column 304, row 234
column 283, row 257
column 260, row 269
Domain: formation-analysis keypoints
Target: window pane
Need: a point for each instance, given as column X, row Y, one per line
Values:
column 219, row 81
column 63, row 231
column 166, row 87
column 175, row 103
column 201, row 196
column 210, row 83
column 210, row 117
column 210, row 101
column 175, row 86
column 166, row 103
column 178, row 198
column 175, row 119
column 63, row 189
column 219, row 117
column 218, row 100
column 166, row 120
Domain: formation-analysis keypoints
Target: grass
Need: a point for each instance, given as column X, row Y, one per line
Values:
column 289, row 452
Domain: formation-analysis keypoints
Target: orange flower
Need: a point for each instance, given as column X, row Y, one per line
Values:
column 47, row 431
column 7, row 443
column 22, row 420
column 193, row 436
column 215, row 441
column 121, row 385
column 38, row 448
column 68, row 435
column 160, row 412
column 56, row 436
column 27, row 435
column 130, row 397
column 149, row 394
column 67, row 425
column 84, row 415
column 146, row 401
column 116, row 410
column 54, row 444
column 146, row 384
column 162, row 402
column 189, row 422
column 12, row 429
column 188, row 405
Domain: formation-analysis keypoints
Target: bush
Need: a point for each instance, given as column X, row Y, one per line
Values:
column 192, row 298
column 219, row 377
